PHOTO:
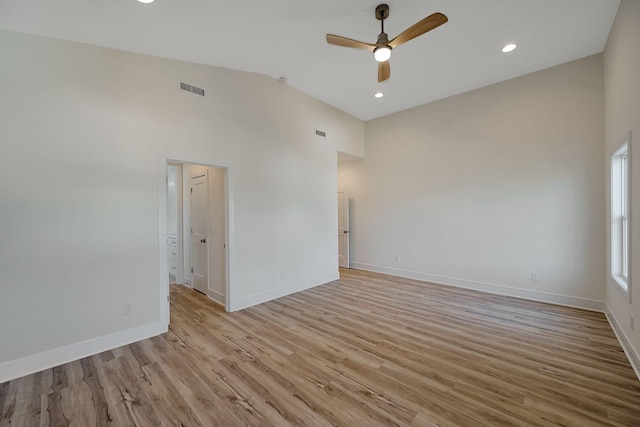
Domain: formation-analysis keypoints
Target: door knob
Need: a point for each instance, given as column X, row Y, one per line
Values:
column 345, row 232
column 203, row 240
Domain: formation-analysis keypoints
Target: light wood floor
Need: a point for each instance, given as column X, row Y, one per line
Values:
column 366, row 350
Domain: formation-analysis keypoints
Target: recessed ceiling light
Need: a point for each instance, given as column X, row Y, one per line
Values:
column 379, row 94
column 509, row 48
column 145, row 1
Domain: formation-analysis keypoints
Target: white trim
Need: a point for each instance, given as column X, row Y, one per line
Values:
column 622, row 286
column 252, row 300
column 165, row 157
column 37, row 362
column 230, row 241
column 216, row 296
column 615, row 232
column 163, row 261
column 632, row 354
column 492, row 288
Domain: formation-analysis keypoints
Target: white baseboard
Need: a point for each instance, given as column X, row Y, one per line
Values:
column 632, row 354
column 216, row 296
column 249, row 301
column 48, row 359
column 569, row 301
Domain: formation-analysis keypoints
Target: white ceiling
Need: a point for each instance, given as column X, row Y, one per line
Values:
column 287, row 38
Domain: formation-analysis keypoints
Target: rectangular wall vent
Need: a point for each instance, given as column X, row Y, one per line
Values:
column 188, row 88
column 321, row 133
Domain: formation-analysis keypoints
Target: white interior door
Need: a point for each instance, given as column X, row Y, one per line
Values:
column 343, row 230
column 199, row 214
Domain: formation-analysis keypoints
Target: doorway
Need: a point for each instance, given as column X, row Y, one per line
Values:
column 205, row 230
column 208, row 249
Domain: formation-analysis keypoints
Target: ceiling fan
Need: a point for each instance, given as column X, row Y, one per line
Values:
column 382, row 48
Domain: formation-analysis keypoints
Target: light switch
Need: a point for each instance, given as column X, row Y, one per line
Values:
column 211, row 229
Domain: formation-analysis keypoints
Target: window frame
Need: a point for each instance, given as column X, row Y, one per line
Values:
column 620, row 214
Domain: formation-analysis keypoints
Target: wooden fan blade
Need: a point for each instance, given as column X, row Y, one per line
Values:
column 345, row 42
column 419, row 28
column 384, row 71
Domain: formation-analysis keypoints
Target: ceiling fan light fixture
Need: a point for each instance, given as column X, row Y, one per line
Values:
column 383, row 46
column 509, row 48
column 382, row 53
column 379, row 94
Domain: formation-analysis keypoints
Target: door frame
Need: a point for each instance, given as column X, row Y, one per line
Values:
column 164, row 158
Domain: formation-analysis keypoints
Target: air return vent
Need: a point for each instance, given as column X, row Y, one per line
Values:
column 188, row 88
column 321, row 133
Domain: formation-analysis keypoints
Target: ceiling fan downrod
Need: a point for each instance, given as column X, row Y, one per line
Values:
column 382, row 13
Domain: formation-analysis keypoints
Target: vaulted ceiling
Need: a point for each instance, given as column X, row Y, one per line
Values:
column 287, row 38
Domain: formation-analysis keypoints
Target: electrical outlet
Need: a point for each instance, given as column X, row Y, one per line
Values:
column 535, row 276
column 282, row 275
column 397, row 258
column 127, row 308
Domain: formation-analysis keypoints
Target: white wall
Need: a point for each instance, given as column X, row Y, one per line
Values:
column 482, row 189
column 81, row 129
column 622, row 114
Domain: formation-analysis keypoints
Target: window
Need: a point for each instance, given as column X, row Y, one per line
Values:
column 620, row 198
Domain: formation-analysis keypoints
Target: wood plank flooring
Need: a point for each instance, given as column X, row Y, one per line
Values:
column 367, row 350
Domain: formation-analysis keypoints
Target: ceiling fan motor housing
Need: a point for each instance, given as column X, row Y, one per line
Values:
column 383, row 38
